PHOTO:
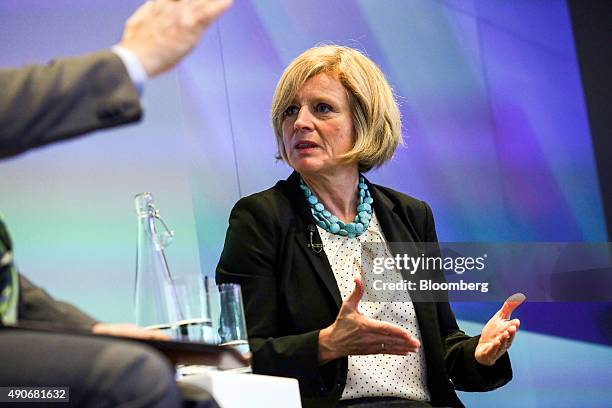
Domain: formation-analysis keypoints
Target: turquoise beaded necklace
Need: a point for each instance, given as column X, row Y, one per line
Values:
column 331, row 223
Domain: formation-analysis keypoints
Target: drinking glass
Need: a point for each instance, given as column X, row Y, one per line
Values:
column 194, row 301
column 232, row 325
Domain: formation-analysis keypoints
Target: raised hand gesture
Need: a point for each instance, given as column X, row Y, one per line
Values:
column 498, row 334
column 355, row 334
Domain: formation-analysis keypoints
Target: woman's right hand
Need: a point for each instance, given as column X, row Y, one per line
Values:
column 355, row 334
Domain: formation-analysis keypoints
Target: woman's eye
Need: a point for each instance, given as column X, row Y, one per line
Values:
column 291, row 110
column 323, row 108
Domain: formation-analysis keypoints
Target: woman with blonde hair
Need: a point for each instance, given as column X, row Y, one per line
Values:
column 296, row 250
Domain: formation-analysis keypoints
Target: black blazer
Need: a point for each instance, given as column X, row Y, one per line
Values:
column 290, row 293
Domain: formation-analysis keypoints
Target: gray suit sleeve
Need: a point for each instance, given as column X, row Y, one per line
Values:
column 40, row 104
column 37, row 305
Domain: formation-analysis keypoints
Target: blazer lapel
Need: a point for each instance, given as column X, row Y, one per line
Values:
column 306, row 234
column 397, row 228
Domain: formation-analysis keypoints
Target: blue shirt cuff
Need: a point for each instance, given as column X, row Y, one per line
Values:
column 134, row 67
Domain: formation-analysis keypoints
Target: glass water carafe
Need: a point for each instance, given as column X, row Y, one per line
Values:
column 155, row 298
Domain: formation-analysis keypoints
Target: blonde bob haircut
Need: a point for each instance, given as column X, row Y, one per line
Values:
column 376, row 116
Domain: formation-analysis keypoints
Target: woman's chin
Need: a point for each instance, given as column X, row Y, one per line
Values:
column 307, row 165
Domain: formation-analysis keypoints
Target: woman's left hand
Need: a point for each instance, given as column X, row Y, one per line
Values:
column 498, row 334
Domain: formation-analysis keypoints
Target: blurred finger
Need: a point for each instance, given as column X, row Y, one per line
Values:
column 391, row 347
column 155, row 7
column 515, row 323
column 158, row 335
column 399, row 342
column 509, row 326
column 503, row 336
column 497, row 349
column 503, row 348
column 510, row 304
column 355, row 297
column 216, row 7
column 209, row 10
column 391, row 331
column 510, row 340
column 397, row 351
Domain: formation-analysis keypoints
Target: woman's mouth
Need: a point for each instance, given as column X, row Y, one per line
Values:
column 305, row 145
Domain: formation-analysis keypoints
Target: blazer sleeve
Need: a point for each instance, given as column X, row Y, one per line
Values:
column 38, row 305
column 251, row 257
column 40, row 104
column 464, row 371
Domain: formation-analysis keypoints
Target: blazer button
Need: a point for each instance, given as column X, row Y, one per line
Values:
column 109, row 113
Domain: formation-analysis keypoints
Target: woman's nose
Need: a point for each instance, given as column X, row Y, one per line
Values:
column 303, row 119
